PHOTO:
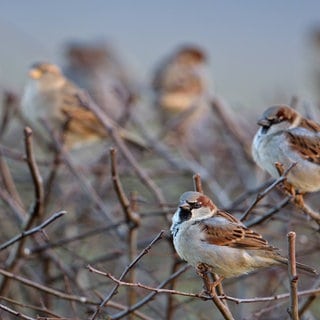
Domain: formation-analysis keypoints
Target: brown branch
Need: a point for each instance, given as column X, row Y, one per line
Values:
column 197, row 183
column 225, row 114
column 206, row 296
column 36, row 229
column 306, row 304
column 262, row 194
column 133, row 221
column 37, row 211
column 8, row 181
column 15, row 313
column 270, row 213
column 17, row 210
column 86, row 186
column 32, row 307
column 56, row 293
column 132, row 217
column 36, row 178
column 123, row 274
column 198, row 188
column 113, row 131
column 203, row 271
column 9, row 103
column 307, row 210
column 150, row 296
column 293, row 277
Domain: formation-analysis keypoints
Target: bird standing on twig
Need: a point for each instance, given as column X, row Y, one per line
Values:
column 206, row 235
column 96, row 67
column 50, row 95
column 286, row 137
column 180, row 85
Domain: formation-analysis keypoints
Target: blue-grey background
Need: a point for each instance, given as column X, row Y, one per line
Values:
column 260, row 51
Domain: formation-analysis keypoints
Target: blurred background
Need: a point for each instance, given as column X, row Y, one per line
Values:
column 260, row 52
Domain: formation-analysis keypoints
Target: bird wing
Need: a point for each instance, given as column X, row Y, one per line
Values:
column 307, row 146
column 231, row 233
column 79, row 119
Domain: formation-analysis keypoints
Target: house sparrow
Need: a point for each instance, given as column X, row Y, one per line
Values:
column 50, row 95
column 96, row 67
column 203, row 234
column 182, row 98
column 286, row 137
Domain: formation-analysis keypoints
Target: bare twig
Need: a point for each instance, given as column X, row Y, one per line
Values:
column 293, row 277
column 32, row 307
column 15, row 313
column 149, row 297
column 262, row 194
column 197, row 183
column 133, row 221
column 306, row 304
column 10, row 100
column 65, row 156
column 198, row 188
column 270, row 213
column 27, row 233
column 126, row 270
column 203, row 296
column 113, row 131
column 8, row 181
column 222, row 307
column 36, row 177
column 56, row 293
column 132, row 218
column 37, row 211
column 225, row 114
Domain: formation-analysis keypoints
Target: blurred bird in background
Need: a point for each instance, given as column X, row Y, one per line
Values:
column 96, row 67
column 182, row 96
column 50, row 95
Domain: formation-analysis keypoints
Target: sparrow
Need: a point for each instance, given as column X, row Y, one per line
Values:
column 182, row 98
column 286, row 137
column 49, row 94
column 205, row 235
column 95, row 66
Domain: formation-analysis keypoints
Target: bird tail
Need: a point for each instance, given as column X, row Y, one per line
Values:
column 306, row 268
column 300, row 266
column 133, row 139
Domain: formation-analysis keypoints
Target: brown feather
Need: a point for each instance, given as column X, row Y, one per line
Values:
column 233, row 235
column 308, row 147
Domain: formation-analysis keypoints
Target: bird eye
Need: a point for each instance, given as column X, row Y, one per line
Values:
column 196, row 205
column 184, row 214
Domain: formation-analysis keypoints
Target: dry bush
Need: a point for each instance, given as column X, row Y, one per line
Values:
column 92, row 226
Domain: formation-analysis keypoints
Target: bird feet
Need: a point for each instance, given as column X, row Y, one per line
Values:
column 203, row 270
column 289, row 189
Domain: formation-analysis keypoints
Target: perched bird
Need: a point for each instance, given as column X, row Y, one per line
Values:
column 49, row 94
column 180, row 84
column 203, row 234
column 286, row 137
column 96, row 67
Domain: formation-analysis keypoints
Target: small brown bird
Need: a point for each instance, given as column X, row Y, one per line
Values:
column 96, row 67
column 49, row 94
column 203, row 234
column 181, row 90
column 287, row 137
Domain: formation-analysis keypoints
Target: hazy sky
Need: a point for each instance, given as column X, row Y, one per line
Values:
column 258, row 49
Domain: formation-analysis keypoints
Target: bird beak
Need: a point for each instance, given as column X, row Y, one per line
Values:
column 184, row 206
column 264, row 123
column 35, row 74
